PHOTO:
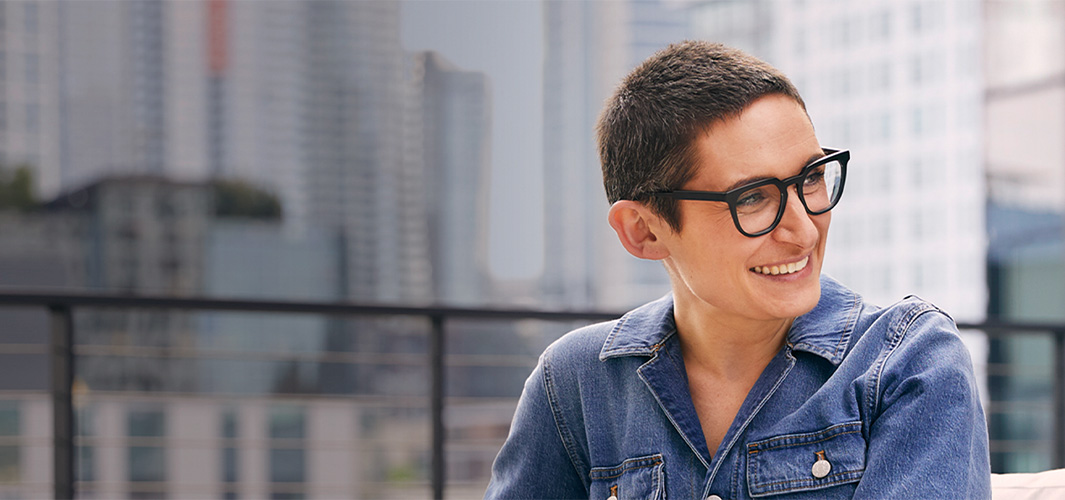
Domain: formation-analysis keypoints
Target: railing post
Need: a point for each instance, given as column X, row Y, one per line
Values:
column 1059, row 399
column 436, row 405
column 62, row 322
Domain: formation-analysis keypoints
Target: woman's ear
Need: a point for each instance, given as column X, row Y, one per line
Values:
column 639, row 229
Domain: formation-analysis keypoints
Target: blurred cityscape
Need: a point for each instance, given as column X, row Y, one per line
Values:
column 379, row 151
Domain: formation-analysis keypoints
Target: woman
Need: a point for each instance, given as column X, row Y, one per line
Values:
column 757, row 376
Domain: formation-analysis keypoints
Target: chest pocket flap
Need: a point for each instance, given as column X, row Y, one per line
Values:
column 635, row 478
column 807, row 461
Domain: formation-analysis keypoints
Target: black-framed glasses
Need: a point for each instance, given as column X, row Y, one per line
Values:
column 758, row 207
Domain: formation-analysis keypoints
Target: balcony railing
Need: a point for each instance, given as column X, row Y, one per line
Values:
column 62, row 355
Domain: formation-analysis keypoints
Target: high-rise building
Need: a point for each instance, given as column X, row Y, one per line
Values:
column 360, row 174
column 307, row 99
column 30, row 120
column 590, row 46
column 455, row 124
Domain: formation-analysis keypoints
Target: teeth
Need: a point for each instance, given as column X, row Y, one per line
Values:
column 783, row 269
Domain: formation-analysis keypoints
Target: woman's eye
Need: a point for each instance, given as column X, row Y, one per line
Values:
column 815, row 177
column 751, row 199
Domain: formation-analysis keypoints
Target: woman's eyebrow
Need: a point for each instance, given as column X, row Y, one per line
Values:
column 755, row 178
column 814, row 157
column 747, row 180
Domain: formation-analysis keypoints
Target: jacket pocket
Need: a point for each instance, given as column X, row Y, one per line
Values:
column 807, row 461
column 635, row 478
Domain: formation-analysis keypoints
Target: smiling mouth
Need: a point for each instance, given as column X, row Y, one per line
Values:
column 794, row 267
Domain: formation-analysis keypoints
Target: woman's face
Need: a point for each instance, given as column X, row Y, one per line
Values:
column 710, row 261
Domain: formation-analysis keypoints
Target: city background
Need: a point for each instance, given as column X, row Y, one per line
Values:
column 441, row 152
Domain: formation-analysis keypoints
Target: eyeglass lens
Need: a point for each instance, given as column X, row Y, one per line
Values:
column 758, row 207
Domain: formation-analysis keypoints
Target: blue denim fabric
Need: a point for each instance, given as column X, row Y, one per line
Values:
column 886, row 396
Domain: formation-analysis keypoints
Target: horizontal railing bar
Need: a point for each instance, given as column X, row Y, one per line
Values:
column 330, row 490
column 1015, row 369
column 994, row 327
column 105, row 300
column 1003, row 407
column 164, row 397
column 348, row 358
column 259, row 443
column 112, row 300
column 414, row 402
column 1003, row 445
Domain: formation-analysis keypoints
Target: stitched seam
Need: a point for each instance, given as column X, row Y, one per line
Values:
column 560, row 424
column 609, row 351
column 814, row 482
column 805, row 435
column 693, row 477
column 804, row 443
column 639, row 373
column 901, row 327
column 848, row 328
column 818, row 482
column 739, row 432
column 736, row 469
column 632, row 350
column 614, row 332
column 656, row 481
column 624, row 469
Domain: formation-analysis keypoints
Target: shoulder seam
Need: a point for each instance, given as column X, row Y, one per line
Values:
column 848, row 329
column 560, row 424
column 899, row 328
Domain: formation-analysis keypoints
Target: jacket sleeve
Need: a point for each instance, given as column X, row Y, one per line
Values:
column 928, row 436
column 535, row 462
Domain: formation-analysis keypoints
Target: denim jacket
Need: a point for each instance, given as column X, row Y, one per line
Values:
column 861, row 402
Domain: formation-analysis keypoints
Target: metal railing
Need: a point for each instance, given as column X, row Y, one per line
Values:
column 61, row 307
column 62, row 357
column 995, row 329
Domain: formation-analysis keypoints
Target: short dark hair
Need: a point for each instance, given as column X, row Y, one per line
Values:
column 647, row 128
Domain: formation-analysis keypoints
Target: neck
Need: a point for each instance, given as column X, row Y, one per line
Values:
column 727, row 346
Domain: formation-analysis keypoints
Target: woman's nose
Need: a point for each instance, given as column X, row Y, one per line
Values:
column 795, row 224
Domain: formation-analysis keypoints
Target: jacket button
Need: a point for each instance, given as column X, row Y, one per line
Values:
column 713, row 497
column 821, row 468
column 611, row 497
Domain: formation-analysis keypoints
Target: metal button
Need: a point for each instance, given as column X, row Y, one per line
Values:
column 713, row 497
column 821, row 467
column 611, row 497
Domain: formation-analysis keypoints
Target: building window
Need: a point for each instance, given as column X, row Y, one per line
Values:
column 925, row 17
column 880, row 29
column 917, row 125
column 917, row 75
column 916, row 224
column 230, row 454
column 10, row 431
column 287, row 452
column 85, row 468
column 147, row 452
column 30, row 19
column 881, row 128
column 33, row 118
column 880, row 77
column 33, row 69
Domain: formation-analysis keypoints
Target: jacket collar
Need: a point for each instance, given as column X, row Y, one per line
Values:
column 824, row 331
